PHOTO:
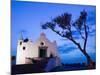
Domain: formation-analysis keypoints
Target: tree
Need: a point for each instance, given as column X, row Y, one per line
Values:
column 64, row 26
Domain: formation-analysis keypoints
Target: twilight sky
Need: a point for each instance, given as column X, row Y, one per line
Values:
column 28, row 17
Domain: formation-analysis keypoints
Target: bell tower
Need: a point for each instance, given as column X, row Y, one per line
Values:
column 20, row 58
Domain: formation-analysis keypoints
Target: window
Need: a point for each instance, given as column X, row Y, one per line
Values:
column 24, row 48
column 42, row 43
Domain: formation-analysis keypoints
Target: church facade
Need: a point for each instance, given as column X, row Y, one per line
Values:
column 41, row 48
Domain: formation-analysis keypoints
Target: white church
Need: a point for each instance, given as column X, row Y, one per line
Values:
column 41, row 48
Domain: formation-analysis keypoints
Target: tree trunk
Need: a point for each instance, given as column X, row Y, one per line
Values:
column 89, row 60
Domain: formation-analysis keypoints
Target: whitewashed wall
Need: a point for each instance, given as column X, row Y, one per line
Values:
column 32, row 49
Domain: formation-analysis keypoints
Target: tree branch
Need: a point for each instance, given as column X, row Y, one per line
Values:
column 80, row 33
column 71, row 39
column 86, row 36
column 76, row 43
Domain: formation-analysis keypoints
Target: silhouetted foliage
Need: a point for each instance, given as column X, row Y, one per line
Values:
column 26, row 40
column 63, row 21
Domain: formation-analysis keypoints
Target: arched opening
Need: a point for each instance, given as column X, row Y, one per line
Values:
column 24, row 48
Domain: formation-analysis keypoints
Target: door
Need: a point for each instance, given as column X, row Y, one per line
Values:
column 42, row 52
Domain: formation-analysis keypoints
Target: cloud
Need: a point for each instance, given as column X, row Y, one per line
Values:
column 76, row 56
column 92, row 30
column 73, row 57
column 66, row 48
column 91, row 18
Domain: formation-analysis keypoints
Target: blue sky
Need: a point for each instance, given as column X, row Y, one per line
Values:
column 28, row 16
